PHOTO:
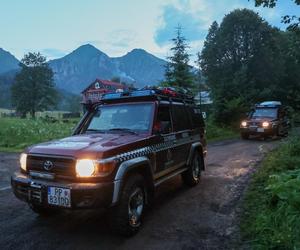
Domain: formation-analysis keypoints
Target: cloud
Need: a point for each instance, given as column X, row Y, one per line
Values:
column 196, row 16
column 172, row 17
column 115, row 42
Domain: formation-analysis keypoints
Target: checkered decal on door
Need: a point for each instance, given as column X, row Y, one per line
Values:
column 154, row 149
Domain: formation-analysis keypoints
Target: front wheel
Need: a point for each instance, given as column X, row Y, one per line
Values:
column 191, row 177
column 126, row 218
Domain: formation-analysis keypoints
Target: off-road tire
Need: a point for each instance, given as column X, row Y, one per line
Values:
column 42, row 211
column 244, row 136
column 120, row 219
column 192, row 176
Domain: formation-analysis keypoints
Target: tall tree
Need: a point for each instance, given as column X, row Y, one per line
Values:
column 241, row 60
column 290, row 86
column 178, row 71
column 34, row 89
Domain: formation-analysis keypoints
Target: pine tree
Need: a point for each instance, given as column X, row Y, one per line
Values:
column 177, row 70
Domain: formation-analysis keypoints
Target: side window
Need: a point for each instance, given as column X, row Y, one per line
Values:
column 163, row 120
column 181, row 120
column 197, row 118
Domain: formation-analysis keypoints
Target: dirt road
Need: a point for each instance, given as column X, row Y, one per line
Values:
column 203, row 217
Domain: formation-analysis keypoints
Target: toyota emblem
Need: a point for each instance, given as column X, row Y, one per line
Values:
column 48, row 165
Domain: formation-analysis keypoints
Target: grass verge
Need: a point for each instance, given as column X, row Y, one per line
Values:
column 216, row 133
column 16, row 134
column 271, row 218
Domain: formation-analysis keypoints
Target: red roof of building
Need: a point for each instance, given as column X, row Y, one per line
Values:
column 105, row 82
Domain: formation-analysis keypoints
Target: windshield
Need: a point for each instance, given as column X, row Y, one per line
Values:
column 268, row 112
column 121, row 117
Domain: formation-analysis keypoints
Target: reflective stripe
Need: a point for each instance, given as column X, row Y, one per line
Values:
column 155, row 148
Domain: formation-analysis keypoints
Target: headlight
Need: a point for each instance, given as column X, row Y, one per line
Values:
column 266, row 124
column 23, row 160
column 85, row 168
column 244, row 124
column 95, row 168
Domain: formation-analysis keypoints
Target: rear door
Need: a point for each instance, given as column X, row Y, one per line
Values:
column 182, row 132
column 165, row 151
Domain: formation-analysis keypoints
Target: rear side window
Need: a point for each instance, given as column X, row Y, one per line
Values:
column 163, row 120
column 197, row 119
column 181, row 119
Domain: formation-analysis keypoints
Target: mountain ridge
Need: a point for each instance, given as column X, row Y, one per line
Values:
column 76, row 70
column 8, row 62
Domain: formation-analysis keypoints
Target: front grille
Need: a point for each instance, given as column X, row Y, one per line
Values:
column 61, row 166
column 255, row 124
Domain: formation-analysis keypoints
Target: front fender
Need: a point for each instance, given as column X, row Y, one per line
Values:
column 139, row 164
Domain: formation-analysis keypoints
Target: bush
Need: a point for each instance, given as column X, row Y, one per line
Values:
column 271, row 216
column 215, row 132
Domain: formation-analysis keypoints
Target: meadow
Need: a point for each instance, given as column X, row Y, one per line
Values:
column 16, row 134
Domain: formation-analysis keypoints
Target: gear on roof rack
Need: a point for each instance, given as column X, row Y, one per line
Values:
column 160, row 93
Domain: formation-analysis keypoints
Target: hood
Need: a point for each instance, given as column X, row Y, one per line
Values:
column 261, row 119
column 86, row 145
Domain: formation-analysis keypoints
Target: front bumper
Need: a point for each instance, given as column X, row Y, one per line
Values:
column 83, row 195
column 259, row 131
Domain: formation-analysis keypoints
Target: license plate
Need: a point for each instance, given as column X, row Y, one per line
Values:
column 59, row 196
column 260, row 130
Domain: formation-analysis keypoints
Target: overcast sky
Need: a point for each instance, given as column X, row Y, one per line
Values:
column 57, row 27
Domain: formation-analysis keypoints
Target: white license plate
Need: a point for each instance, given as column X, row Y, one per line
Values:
column 59, row 196
column 261, row 130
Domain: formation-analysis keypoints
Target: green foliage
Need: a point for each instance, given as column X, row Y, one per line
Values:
column 246, row 61
column 294, row 21
column 272, row 204
column 16, row 134
column 178, row 71
column 216, row 133
column 69, row 102
column 33, row 89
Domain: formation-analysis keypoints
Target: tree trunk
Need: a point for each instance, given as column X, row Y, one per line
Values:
column 32, row 113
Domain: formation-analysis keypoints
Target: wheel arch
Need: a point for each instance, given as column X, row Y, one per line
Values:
column 140, row 165
column 197, row 146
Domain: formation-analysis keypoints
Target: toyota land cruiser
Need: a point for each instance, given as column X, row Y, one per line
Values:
column 266, row 119
column 123, row 148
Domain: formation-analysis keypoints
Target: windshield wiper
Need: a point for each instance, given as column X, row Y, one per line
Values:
column 124, row 129
column 94, row 131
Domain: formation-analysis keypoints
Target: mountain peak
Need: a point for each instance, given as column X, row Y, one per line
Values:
column 87, row 47
column 87, row 50
column 138, row 52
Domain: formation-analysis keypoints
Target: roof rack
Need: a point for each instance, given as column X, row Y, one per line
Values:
column 268, row 104
column 159, row 93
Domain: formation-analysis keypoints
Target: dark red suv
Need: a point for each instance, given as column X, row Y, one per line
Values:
column 124, row 147
column 266, row 119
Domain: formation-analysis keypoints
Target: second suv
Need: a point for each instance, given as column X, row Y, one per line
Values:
column 124, row 147
column 266, row 119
